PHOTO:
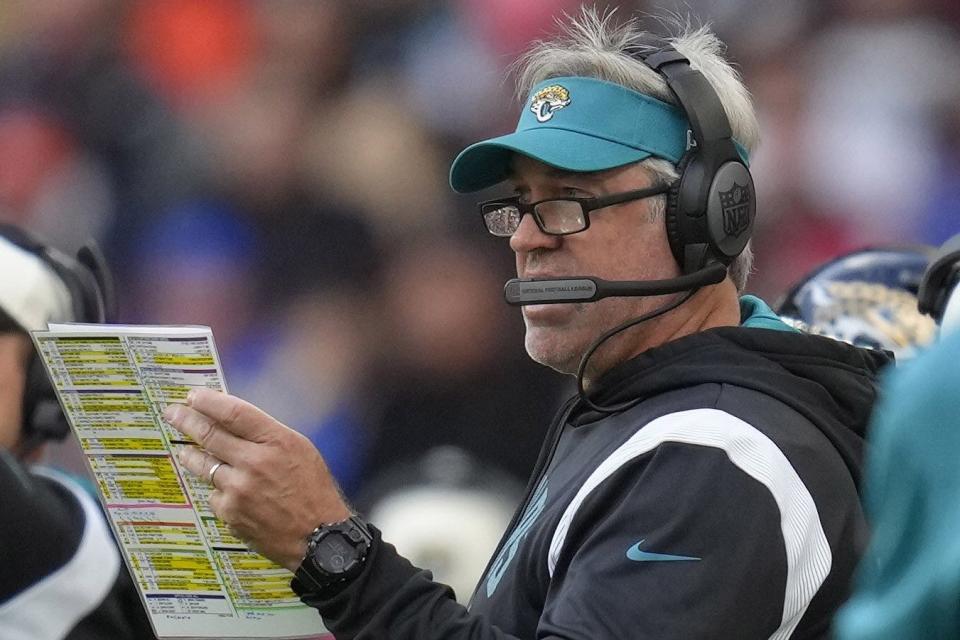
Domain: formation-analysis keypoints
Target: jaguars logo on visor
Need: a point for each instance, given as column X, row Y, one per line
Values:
column 548, row 100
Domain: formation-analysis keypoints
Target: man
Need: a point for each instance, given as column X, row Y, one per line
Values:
column 60, row 571
column 909, row 580
column 703, row 484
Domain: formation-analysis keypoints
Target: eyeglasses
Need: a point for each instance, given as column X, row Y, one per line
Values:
column 555, row 216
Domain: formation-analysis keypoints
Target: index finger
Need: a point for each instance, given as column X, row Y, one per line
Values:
column 205, row 432
column 234, row 415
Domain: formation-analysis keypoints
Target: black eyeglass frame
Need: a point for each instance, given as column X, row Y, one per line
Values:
column 586, row 205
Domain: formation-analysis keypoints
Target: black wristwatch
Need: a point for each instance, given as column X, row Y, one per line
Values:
column 335, row 554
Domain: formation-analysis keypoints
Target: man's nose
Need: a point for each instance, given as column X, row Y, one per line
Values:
column 529, row 237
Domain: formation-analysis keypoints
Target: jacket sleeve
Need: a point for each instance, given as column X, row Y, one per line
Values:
column 394, row 599
column 58, row 556
column 678, row 543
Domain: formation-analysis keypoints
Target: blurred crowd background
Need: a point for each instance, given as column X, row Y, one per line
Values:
column 277, row 169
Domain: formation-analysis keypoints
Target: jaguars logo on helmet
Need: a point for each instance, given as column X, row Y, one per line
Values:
column 867, row 298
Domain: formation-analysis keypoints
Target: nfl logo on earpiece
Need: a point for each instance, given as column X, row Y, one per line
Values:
column 735, row 204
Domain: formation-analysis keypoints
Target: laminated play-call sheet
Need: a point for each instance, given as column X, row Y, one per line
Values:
column 195, row 578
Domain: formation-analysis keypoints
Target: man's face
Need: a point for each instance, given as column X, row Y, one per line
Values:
column 623, row 242
column 15, row 349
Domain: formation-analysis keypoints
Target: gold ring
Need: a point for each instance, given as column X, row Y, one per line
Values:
column 213, row 471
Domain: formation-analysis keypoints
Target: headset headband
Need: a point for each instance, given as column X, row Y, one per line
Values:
column 711, row 212
column 86, row 277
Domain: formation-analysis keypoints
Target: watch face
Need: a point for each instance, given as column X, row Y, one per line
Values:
column 335, row 553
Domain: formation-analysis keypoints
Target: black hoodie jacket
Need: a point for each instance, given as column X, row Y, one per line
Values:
column 723, row 505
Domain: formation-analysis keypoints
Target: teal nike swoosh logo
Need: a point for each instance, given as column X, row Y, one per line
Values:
column 637, row 554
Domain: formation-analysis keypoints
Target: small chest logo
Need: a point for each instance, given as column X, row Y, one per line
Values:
column 549, row 100
column 637, row 554
column 736, row 209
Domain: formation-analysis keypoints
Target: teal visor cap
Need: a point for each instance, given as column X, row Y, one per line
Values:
column 578, row 124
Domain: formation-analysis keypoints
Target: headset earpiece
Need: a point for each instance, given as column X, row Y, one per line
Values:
column 672, row 216
column 43, row 420
column 711, row 208
column 731, row 210
column 88, row 282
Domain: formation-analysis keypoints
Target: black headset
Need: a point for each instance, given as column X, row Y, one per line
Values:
column 940, row 278
column 90, row 285
column 711, row 208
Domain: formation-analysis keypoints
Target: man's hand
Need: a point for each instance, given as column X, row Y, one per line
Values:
column 272, row 488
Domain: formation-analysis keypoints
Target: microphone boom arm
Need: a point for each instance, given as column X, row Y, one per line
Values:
column 524, row 291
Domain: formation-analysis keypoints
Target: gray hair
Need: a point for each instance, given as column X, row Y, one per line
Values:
column 593, row 45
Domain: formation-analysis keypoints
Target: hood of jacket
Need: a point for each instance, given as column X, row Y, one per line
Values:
column 831, row 383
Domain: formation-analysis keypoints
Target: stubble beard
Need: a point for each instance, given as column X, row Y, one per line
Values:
column 551, row 346
column 562, row 347
column 556, row 359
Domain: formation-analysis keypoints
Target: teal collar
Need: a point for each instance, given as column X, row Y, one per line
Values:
column 756, row 314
